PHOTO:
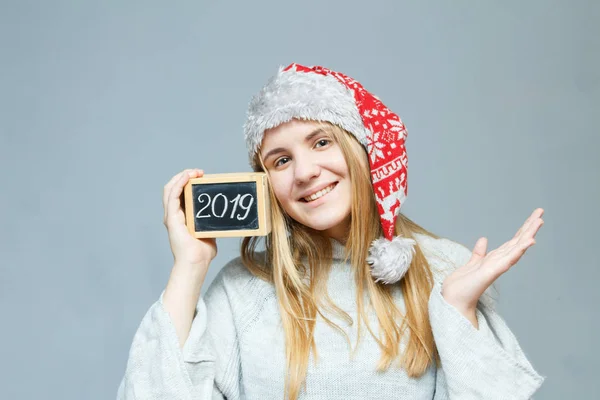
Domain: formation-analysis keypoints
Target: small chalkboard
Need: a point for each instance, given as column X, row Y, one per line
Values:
column 227, row 205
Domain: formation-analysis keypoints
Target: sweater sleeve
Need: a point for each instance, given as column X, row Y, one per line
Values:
column 206, row 368
column 484, row 363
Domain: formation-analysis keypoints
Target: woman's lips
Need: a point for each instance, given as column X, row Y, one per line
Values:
column 323, row 192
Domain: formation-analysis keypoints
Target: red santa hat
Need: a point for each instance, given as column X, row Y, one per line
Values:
column 319, row 94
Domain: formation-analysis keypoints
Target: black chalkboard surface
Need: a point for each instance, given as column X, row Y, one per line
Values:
column 222, row 205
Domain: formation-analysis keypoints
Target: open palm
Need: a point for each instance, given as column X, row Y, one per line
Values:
column 467, row 283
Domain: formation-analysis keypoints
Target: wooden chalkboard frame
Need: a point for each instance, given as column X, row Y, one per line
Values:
column 262, row 200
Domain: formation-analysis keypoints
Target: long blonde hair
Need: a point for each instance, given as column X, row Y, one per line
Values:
column 301, row 287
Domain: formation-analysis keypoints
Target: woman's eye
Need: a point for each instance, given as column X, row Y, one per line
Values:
column 323, row 142
column 281, row 161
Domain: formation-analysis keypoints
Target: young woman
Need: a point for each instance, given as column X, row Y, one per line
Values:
column 350, row 299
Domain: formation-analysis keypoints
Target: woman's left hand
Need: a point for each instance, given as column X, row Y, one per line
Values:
column 466, row 284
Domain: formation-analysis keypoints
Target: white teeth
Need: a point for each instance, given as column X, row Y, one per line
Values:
column 320, row 193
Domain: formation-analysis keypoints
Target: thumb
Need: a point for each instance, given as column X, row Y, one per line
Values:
column 480, row 249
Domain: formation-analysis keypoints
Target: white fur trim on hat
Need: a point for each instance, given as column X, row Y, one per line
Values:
column 292, row 94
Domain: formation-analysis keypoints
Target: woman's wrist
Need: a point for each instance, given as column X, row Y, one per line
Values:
column 188, row 277
column 470, row 313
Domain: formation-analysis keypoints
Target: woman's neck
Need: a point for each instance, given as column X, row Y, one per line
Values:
column 339, row 232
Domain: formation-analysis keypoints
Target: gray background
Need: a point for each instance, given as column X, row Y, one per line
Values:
column 101, row 102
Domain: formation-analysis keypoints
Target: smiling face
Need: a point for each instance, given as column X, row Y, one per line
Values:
column 309, row 176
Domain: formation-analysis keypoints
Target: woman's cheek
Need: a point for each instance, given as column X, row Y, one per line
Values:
column 280, row 190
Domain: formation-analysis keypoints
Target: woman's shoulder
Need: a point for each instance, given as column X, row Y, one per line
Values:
column 441, row 249
column 235, row 278
column 443, row 255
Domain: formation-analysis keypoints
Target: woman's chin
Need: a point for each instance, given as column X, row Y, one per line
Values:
column 329, row 225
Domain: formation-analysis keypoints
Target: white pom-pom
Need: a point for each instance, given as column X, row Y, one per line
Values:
column 390, row 260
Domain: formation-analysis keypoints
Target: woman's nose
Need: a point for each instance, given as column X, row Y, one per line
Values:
column 305, row 170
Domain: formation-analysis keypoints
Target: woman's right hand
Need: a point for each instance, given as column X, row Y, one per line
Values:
column 186, row 249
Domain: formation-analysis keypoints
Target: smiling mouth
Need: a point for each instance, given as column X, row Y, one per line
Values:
column 319, row 194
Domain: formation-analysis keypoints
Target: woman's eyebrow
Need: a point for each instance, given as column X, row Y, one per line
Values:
column 273, row 152
column 308, row 138
column 314, row 133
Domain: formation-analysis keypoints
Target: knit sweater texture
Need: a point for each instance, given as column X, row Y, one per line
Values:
column 236, row 347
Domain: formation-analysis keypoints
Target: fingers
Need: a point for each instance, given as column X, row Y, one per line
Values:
column 527, row 237
column 173, row 189
column 513, row 250
column 169, row 185
column 480, row 249
column 535, row 215
column 500, row 260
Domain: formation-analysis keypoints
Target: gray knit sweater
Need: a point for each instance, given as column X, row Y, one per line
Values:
column 236, row 350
